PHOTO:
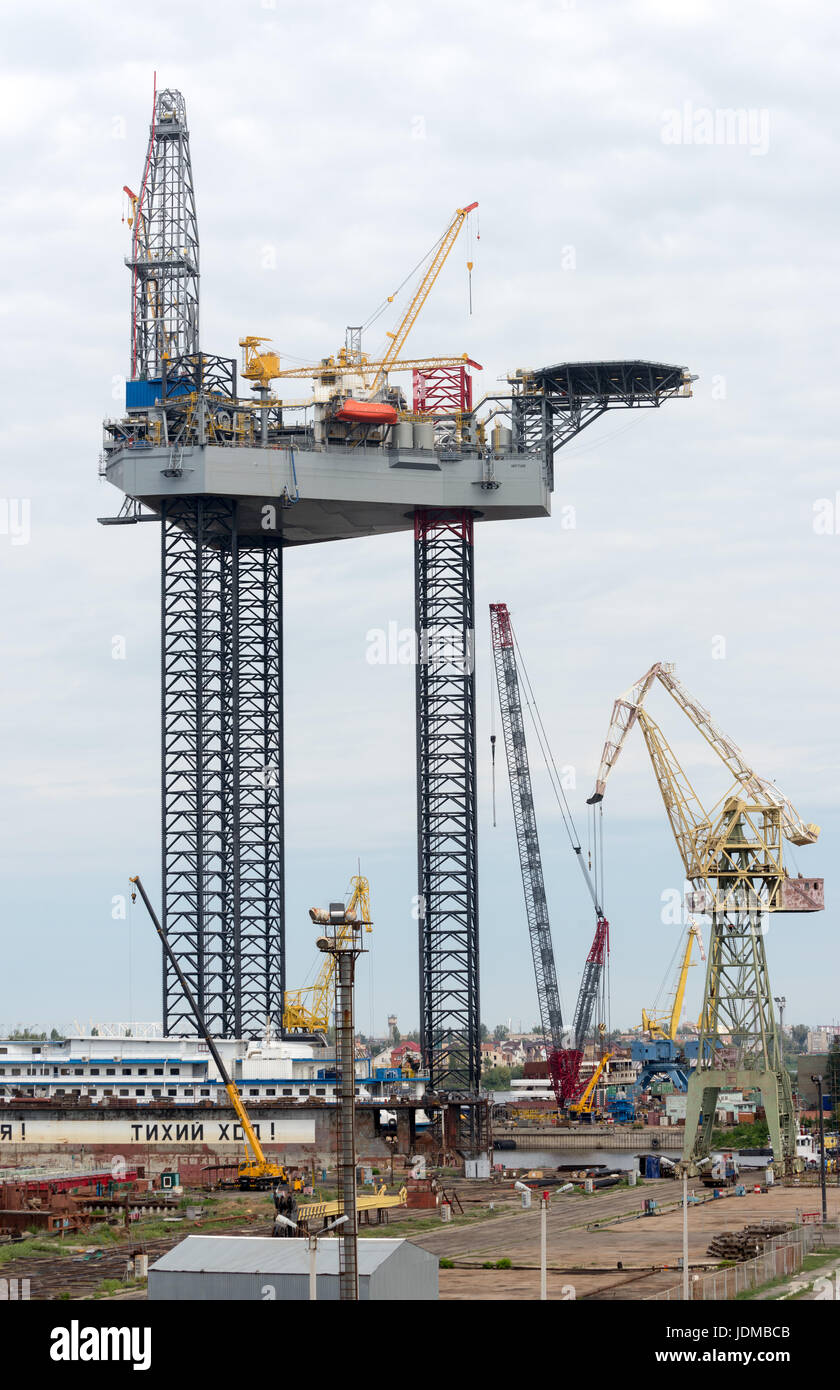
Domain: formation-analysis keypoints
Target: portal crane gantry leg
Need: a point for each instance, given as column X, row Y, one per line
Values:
column 738, row 1006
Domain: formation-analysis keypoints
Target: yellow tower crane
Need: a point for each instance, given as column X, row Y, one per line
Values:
column 310, row 1009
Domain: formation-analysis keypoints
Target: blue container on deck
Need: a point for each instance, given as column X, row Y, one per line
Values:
column 652, row 1166
column 139, row 395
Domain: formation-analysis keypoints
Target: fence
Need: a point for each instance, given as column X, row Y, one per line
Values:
column 783, row 1255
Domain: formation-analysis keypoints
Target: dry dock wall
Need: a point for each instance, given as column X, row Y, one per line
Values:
column 183, row 1139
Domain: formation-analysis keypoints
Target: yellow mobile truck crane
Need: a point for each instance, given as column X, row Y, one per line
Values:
column 255, row 1171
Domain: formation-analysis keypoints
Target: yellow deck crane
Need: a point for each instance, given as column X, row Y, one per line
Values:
column 255, row 1171
column 309, row 1010
column 733, row 857
column 262, row 365
column 421, row 294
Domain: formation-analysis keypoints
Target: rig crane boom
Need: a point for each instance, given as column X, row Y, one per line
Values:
column 264, row 366
column 421, row 294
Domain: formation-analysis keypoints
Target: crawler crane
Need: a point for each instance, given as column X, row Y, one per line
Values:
column 564, row 1057
column 255, row 1171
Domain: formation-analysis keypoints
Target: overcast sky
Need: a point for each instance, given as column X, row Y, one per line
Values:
column 330, row 144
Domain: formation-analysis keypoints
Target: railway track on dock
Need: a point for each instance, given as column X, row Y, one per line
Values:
column 54, row 1277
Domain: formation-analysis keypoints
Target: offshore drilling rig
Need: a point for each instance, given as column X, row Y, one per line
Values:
column 235, row 480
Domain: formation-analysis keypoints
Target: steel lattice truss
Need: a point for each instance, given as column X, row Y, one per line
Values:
column 553, row 404
column 525, row 824
column 164, row 258
column 591, row 981
column 222, row 770
column 738, row 1005
column 442, row 391
column 446, row 797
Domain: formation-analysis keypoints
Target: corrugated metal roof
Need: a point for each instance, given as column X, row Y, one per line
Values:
column 268, row 1255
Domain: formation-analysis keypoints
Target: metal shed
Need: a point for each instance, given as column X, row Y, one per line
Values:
column 234, row 1268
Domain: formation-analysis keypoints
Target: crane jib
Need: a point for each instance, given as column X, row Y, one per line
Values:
column 564, row 1062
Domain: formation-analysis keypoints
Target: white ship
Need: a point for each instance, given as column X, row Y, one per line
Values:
column 143, row 1066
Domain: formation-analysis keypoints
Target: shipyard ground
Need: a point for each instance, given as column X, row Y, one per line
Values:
column 588, row 1235
column 585, row 1258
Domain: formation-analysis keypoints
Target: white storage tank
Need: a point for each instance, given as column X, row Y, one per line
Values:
column 404, row 434
column 424, row 435
column 502, row 439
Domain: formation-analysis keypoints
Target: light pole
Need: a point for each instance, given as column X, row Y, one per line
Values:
column 685, row 1236
column 313, row 1250
column 818, row 1081
column 344, row 945
column 781, row 1001
column 543, row 1247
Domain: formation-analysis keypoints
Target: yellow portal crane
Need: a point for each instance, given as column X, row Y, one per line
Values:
column 665, row 1025
column 584, row 1105
column 255, row 1171
column 421, row 294
column 733, row 857
column 309, row 1010
column 628, row 708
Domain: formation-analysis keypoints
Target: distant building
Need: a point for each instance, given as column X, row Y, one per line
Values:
column 821, row 1038
column 493, row 1055
column 813, row 1064
column 405, row 1054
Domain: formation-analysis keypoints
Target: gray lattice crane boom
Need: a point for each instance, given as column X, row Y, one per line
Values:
column 563, row 1062
column 527, row 838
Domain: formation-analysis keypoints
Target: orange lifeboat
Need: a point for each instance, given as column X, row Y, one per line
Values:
column 367, row 413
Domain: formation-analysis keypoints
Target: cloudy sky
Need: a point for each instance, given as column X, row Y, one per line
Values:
column 330, row 144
